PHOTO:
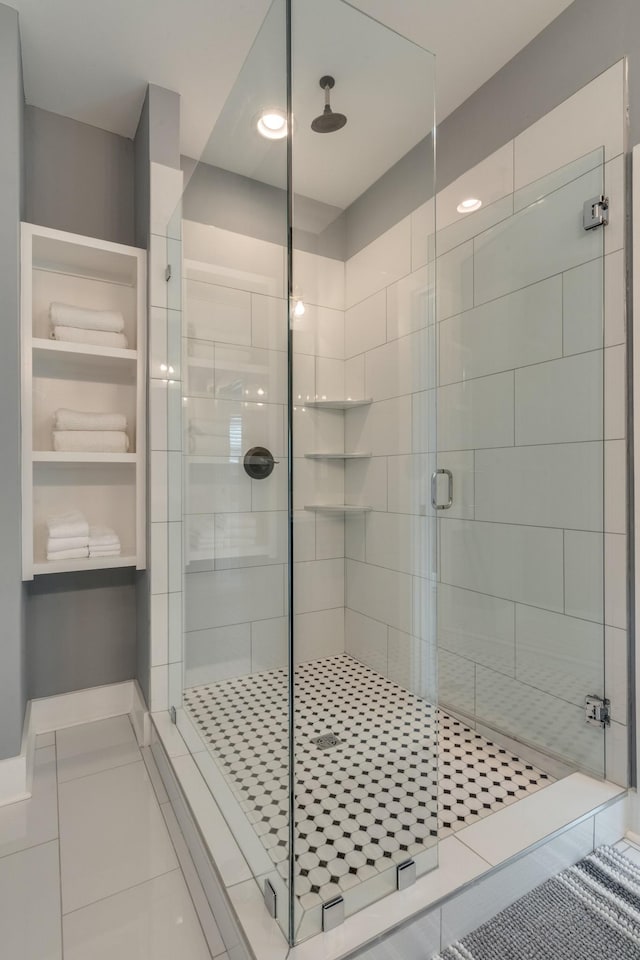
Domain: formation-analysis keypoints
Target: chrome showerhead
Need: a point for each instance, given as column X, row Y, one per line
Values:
column 328, row 121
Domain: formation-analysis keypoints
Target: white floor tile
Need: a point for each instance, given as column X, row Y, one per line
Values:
column 30, row 904
column 92, row 747
column 32, row 821
column 112, row 835
column 207, row 921
column 153, row 921
column 499, row 837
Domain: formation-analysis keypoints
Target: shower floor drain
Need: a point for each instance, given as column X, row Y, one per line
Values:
column 326, row 741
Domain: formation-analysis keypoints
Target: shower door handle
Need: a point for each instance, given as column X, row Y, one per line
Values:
column 434, row 489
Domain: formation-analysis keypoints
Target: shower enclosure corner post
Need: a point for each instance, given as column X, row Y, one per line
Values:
column 290, row 528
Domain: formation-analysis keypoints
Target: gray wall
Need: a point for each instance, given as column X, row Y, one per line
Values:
column 12, row 647
column 81, row 629
column 233, row 202
column 586, row 39
column 78, row 178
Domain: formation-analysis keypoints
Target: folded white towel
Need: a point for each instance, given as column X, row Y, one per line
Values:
column 70, row 524
column 90, row 441
column 68, row 315
column 104, row 552
column 79, row 420
column 98, row 338
column 56, row 544
column 103, row 537
column 80, row 553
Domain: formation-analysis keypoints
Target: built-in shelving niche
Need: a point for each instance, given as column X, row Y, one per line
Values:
column 107, row 487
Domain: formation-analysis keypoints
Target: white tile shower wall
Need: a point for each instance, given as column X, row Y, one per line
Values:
column 235, row 394
column 524, row 621
column 164, row 463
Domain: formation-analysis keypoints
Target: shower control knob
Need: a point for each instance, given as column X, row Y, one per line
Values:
column 259, row 463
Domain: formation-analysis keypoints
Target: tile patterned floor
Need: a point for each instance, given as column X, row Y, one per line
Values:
column 368, row 802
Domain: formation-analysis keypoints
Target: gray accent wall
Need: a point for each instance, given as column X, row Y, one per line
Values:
column 81, row 630
column 584, row 41
column 78, row 178
column 12, row 646
column 255, row 209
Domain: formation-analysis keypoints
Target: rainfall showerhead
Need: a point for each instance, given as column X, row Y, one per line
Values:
column 328, row 121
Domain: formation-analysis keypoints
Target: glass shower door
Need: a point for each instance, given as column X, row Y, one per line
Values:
column 522, row 429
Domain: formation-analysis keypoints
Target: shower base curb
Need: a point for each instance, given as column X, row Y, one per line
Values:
column 536, row 834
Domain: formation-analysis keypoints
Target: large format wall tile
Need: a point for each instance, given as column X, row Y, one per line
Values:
column 366, row 640
column 523, row 250
column 385, row 595
column 516, row 330
column 233, row 259
column 410, row 303
column 384, row 428
column 401, row 366
column 455, row 281
column 561, row 655
column 233, row 596
column 559, row 485
column 584, row 575
column 365, row 324
column 398, row 541
column 476, row 413
column 318, row 585
column 386, row 259
column 217, row 313
column 504, row 560
column 477, row 627
column 560, row 401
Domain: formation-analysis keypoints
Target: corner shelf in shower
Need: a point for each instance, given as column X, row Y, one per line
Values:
column 338, row 456
column 337, row 404
column 345, row 508
column 108, row 488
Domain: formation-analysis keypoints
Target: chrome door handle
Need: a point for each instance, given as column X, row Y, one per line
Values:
column 434, row 489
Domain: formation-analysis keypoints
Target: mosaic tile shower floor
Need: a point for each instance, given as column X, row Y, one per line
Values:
column 368, row 802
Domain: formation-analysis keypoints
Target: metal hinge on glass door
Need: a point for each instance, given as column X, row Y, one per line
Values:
column 595, row 212
column 597, row 711
column 441, row 472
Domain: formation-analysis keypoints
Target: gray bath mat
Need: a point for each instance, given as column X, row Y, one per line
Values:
column 588, row 912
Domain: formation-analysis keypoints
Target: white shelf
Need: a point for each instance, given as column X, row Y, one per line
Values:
column 90, row 563
column 337, row 404
column 108, row 488
column 338, row 456
column 55, row 456
column 39, row 344
column 337, row 508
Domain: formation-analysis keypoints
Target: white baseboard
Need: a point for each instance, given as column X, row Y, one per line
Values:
column 69, row 710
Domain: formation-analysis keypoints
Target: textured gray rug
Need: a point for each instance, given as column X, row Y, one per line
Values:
column 588, row 912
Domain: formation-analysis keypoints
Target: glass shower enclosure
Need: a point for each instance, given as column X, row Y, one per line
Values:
column 349, row 455
column 307, row 613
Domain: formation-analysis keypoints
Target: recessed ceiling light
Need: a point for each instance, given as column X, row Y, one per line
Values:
column 272, row 124
column 469, row 205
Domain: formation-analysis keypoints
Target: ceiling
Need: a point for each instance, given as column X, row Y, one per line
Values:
column 91, row 60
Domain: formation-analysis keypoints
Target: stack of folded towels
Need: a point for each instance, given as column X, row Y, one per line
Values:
column 71, row 537
column 79, row 432
column 204, row 438
column 68, row 536
column 103, row 542
column 104, row 328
